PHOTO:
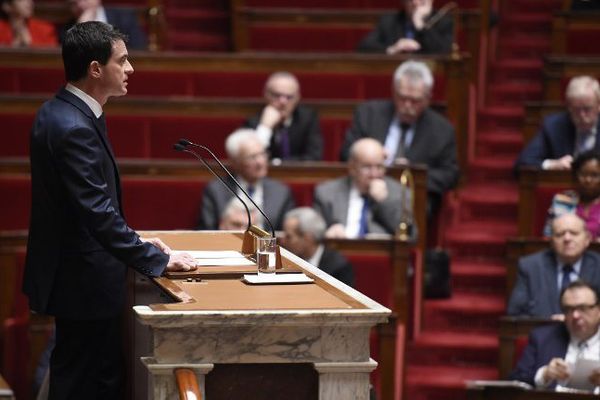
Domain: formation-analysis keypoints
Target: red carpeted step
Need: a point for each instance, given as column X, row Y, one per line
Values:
column 516, row 70
column 479, row 276
column 499, row 142
column 443, row 348
column 500, row 117
column 524, row 46
column 465, row 312
column 526, row 6
column 443, row 382
column 504, row 93
column 487, row 169
column 213, row 4
column 526, row 23
column 478, row 199
column 480, row 239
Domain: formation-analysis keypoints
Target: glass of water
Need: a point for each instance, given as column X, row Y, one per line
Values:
column 265, row 254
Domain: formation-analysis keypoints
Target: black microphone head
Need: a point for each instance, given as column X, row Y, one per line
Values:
column 184, row 142
column 178, row 147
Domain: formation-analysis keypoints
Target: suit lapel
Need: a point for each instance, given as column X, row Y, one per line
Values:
column 382, row 124
column 550, row 278
column 342, row 201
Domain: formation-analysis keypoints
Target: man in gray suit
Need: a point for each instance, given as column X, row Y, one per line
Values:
column 365, row 201
column 542, row 275
column 410, row 131
column 249, row 162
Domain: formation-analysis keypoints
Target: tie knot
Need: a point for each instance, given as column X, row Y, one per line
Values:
column 404, row 126
column 567, row 268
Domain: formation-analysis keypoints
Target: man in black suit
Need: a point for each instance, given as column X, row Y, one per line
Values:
column 304, row 231
column 122, row 18
column 410, row 131
column 79, row 243
column 249, row 162
column 289, row 130
column 416, row 29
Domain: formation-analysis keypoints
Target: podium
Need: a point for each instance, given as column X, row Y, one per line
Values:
column 297, row 341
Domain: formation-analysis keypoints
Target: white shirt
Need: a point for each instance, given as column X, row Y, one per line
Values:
column 355, row 205
column 585, row 141
column 316, row 258
column 264, row 132
column 86, row 98
column 392, row 140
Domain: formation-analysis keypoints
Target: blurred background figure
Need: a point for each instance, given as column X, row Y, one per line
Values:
column 585, row 199
column 304, row 231
column 122, row 18
column 235, row 218
column 289, row 130
column 418, row 28
column 18, row 27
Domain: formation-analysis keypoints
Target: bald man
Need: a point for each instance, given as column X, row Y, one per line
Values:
column 542, row 275
column 365, row 201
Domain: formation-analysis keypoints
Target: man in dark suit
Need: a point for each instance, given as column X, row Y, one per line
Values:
column 249, row 161
column 289, row 130
column 79, row 243
column 548, row 359
column 411, row 132
column 365, row 201
column 566, row 134
column 542, row 275
column 304, row 231
column 122, row 18
column 415, row 29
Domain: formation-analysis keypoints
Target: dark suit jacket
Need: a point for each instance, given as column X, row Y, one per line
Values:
column 126, row 21
column 306, row 141
column 79, row 243
column 391, row 27
column 556, row 138
column 277, row 200
column 434, row 142
column 336, row 265
column 545, row 343
column 536, row 291
column 331, row 200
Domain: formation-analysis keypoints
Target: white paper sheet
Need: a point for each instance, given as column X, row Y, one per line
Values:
column 218, row 258
column 266, row 279
column 581, row 373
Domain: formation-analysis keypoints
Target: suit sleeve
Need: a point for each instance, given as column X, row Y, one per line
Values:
column 323, row 207
column 437, row 39
column 80, row 156
column 526, row 367
column 209, row 214
column 443, row 175
column 378, row 39
column 536, row 151
column 357, row 130
column 314, row 139
column 288, row 205
column 518, row 304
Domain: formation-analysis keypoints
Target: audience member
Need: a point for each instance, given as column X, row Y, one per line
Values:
column 542, row 275
column 548, row 359
column 304, row 232
column 365, row 201
column 411, row 132
column 585, row 199
column 123, row 18
column 19, row 28
column 585, row 5
column 289, row 130
column 416, row 29
column 235, row 217
column 249, row 163
column 566, row 134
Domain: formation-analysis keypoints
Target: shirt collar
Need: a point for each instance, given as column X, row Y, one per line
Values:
column 316, row 258
column 86, row 98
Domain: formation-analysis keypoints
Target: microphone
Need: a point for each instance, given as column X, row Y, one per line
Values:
column 183, row 145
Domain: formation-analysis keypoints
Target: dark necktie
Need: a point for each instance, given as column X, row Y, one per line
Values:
column 409, row 29
column 102, row 123
column 284, row 142
column 363, row 227
column 251, row 189
column 401, row 152
column 566, row 276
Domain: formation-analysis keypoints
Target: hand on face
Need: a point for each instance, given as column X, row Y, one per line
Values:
column 421, row 10
column 271, row 117
column 378, row 190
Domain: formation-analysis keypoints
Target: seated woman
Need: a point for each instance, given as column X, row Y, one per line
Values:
column 19, row 29
column 585, row 199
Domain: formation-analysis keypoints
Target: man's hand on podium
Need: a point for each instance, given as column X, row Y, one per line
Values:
column 177, row 261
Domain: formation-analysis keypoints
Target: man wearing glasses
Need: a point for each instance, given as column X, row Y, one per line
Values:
column 564, row 135
column 365, row 201
column 553, row 350
column 411, row 132
column 249, row 164
column 289, row 131
column 542, row 275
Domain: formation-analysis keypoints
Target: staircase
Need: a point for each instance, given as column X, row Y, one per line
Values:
column 460, row 339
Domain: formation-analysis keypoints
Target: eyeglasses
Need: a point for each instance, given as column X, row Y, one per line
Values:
column 278, row 95
column 581, row 308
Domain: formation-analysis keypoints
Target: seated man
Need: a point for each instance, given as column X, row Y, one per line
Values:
column 235, row 217
column 411, row 132
column 542, row 275
column 122, row 18
column 552, row 350
column 566, row 134
column 416, row 29
column 304, row 232
column 289, row 130
column 249, row 164
column 365, row 201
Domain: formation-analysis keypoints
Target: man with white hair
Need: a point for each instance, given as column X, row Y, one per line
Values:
column 249, row 164
column 304, row 231
column 564, row 135
column 412, row 133
column 289, row 130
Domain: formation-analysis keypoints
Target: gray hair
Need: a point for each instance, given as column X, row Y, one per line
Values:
column 414, row 71
column 309, row 221
column 233, row 205
column 235, row 140
column 581, row 86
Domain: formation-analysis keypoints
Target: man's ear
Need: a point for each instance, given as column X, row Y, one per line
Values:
column 95, row 70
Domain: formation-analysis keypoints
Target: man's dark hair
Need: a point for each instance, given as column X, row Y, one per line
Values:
column 87, row 42
column 583, row 158
column 579, row 284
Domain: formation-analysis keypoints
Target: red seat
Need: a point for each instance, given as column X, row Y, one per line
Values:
column 15, row 192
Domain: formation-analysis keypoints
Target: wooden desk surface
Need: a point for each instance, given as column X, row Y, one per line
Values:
column 6, row 392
